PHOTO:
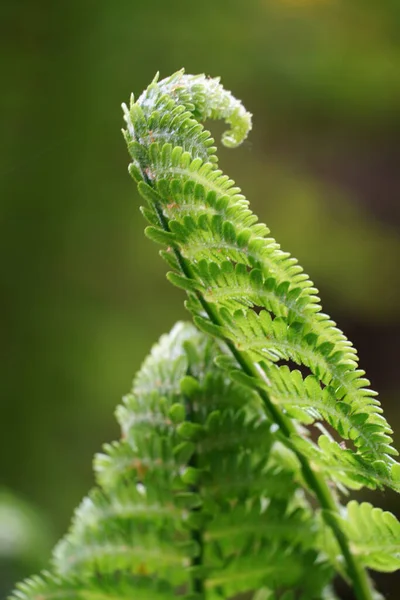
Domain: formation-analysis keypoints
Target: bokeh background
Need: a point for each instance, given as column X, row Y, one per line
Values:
column 83, row 293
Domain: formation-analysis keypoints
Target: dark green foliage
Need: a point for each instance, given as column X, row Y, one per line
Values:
column 218, row 486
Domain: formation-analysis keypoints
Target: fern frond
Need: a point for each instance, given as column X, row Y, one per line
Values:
column 197, row 494
column 121, row 586
column 274, row 566
column 210, row 492
column 254, row 297
column 308, row 402
column 261, row 300
column 374, row 535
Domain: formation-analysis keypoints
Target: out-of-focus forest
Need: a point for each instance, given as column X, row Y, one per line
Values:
column 83, row 293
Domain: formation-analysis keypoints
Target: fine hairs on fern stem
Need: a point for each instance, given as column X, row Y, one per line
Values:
column 226, row 262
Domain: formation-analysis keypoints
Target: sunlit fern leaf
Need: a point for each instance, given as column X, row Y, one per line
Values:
column 344, row 466
column 262, row 301
column 374, row 535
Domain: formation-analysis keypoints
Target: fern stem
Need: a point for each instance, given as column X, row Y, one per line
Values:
column 197, row 534
column 330, row 510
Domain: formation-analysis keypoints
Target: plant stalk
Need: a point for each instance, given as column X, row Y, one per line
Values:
column 197, row 534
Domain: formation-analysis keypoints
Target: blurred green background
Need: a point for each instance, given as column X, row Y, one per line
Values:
column 83, row 293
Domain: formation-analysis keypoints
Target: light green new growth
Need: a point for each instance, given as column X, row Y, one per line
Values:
column 217, row 486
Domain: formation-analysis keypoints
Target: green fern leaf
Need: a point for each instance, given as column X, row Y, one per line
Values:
column 374, row 535
column 258, row 298
column 120, row 585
